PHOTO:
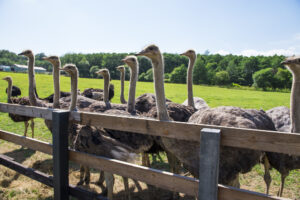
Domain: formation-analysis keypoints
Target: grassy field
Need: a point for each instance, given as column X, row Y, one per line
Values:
column 11, row 184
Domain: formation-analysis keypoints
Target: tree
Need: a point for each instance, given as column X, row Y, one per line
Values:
column 283, row 78
column 148, row 76
column 84, row 67
column 199, row 72
column 222, row 78
column 178, row 75
column 264, row 78
column 210, row 69
column 93, row 71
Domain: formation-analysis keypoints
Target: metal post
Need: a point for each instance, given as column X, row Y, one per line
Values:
column 209, row 164
column 60, row 121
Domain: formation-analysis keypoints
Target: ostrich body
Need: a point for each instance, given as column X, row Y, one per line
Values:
column 122, row 79
column 20, row 101
column 51, row 97
column 195, row 102
column 98, row 94
column 286, row 120
column 15, row 91
column 187, row 151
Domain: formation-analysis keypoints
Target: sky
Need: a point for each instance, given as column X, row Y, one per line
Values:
column 253, row 27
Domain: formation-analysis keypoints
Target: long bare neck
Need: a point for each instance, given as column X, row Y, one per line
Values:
column 158, row 73
column 56, row 97
column 190, row 82
column 295, row 106
column 122, row 98
column 74, row 86
column 134, row 71
column 106, row 91
column 9, row 91
column 32, row 85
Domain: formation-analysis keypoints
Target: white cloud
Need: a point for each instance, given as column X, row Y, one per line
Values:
column 297, row 36
column 286, row 52
column 223, row 52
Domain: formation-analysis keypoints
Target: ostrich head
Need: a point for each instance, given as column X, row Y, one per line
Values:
column 121, row 68
column 189, row 53
column 293, row 64
column 103, row 72
column 151, row 51
column 54, row 60
column 70, row 69
column 28, row 53
column 131, row 61
column 7, row 78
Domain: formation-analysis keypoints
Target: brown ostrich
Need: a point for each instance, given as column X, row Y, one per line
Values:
column 286, row 121
column 122, row 70
column 20, row 101
column 196, row 102
column 232, row 160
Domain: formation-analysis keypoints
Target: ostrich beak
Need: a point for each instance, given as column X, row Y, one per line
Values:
column 124, row 60
column 141, row 53
column 182, row 54
column 286, row 62
column 21, row 54
column 45, row 58
column 61, row 69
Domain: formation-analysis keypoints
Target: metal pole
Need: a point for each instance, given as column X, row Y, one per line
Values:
column 60, row 121
column 209, row 164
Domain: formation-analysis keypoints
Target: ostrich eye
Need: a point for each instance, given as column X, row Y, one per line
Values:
column 151, row 48
column 132, row 59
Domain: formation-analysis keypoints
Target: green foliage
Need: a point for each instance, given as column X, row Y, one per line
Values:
column 283, row 78
column 178, row 75
column 199, row 72
column 148, row 76
column 93, row 71
column 222, row 78
column 264, row 78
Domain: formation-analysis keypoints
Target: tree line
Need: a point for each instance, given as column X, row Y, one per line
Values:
column 211, row 69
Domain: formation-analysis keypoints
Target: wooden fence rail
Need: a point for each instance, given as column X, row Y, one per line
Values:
column 235, row 137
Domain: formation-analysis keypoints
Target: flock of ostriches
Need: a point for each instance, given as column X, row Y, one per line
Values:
column 125, row 145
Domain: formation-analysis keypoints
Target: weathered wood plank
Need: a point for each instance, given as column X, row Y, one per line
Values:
column 231, row 193
column 60, row 119
column 46, row 179
column 27, row 142
column 235, row 137
column 29, row 111
column 209, row 156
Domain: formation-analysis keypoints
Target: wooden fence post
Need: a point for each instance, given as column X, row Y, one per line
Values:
column 60, row 121
column 209, row 164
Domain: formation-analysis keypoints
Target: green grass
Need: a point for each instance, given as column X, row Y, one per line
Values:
column 214, row 96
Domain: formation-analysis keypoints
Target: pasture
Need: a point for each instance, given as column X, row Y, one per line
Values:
column 11, row 186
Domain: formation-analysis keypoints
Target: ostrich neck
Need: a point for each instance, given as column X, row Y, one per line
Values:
column 56, row 73
column 122, row 87
column 158, row 73
column 131, row 96
column 32, row 85
column 106, row 91
column 74, row 86
column 190, row 82
column 9, row 90
column 295, row 106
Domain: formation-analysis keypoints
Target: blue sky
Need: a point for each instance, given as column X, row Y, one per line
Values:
column 232, row 26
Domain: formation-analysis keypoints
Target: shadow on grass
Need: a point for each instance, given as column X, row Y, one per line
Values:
column 19, row 155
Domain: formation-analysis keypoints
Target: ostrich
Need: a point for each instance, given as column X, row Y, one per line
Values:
column 15, row 91
column 287, row 122
column 20, row 101
column 195, row 102
column 92, row 140
column 122, row 78
column 232, row 160
column 97, row 94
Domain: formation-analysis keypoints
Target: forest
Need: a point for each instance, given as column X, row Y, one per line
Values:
column 265, row 72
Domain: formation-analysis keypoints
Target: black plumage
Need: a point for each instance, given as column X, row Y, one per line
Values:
column 15, row 91
column 98, row 94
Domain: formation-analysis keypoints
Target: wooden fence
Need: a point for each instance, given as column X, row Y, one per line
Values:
column 210, row 137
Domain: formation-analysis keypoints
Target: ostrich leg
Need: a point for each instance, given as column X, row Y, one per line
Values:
column 267, row 176
column 26, row 124
column 283, row 176
column 32, row 128
column 109, row 179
